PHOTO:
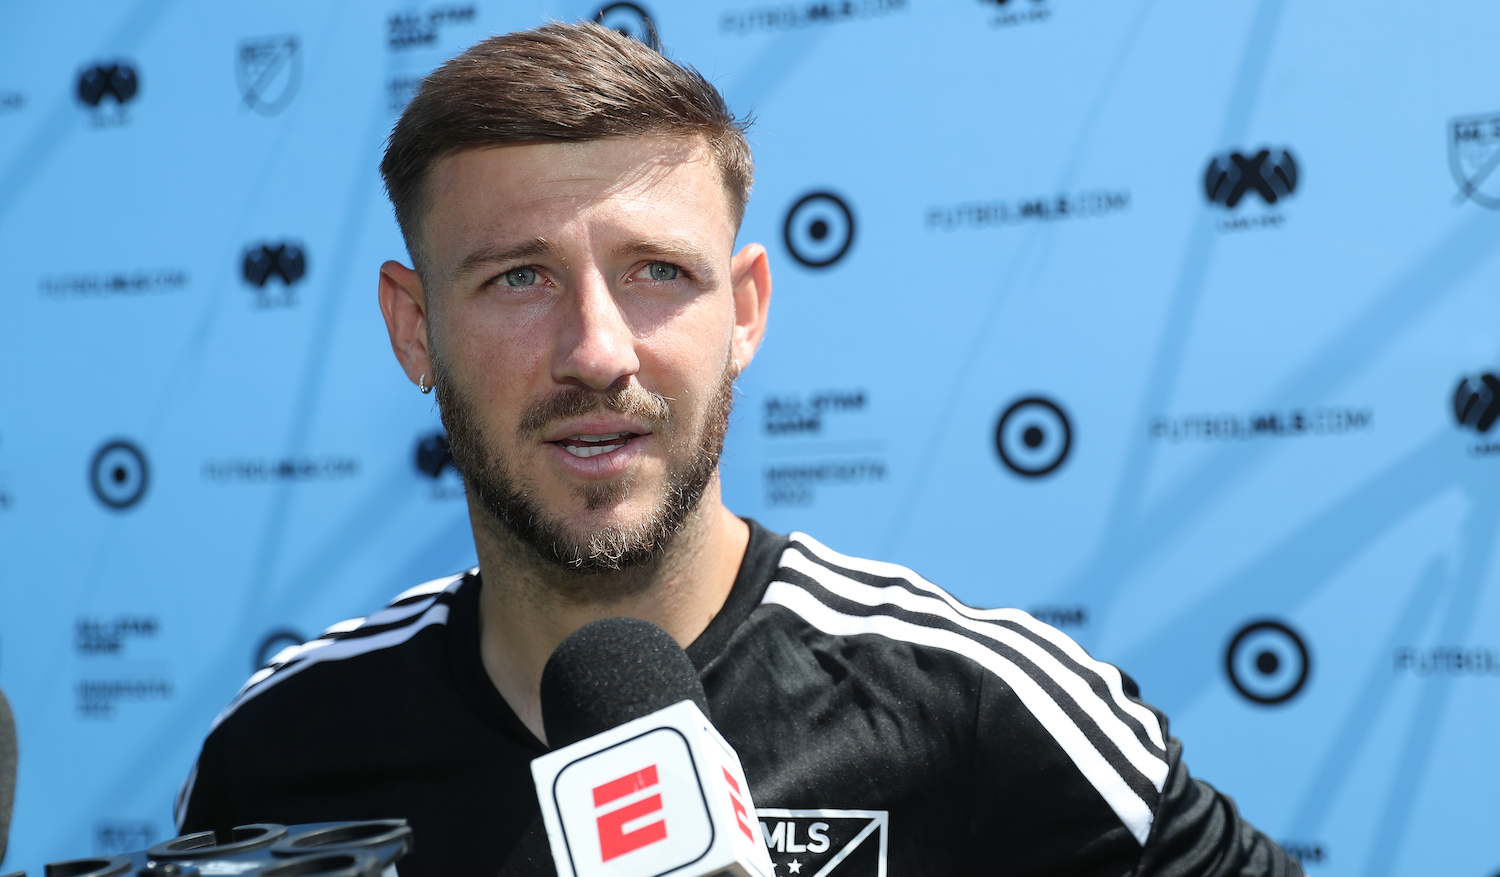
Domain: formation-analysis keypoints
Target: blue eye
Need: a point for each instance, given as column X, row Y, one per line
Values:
column 663, row 271
column 519, row 276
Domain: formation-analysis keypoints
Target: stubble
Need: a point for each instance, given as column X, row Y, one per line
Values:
column 511, row 501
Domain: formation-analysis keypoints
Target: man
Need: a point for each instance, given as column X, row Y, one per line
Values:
column 570, row 200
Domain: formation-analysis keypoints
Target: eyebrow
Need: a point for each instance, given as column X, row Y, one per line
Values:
column 542, row 247
column 678, row 249
column 490, row 255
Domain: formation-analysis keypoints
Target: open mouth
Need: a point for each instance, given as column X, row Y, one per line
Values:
column 594, row 445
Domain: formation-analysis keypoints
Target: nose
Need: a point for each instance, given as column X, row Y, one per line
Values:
column 595, row 347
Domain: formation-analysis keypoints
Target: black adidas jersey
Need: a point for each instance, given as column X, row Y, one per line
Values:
column 885, row 729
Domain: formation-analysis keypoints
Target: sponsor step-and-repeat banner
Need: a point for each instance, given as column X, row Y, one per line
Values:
column 1176, row 324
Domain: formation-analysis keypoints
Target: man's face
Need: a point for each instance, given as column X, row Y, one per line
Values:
column 580, row 314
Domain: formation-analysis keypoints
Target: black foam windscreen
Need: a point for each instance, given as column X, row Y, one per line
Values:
column 7, row 770
column 609, row 672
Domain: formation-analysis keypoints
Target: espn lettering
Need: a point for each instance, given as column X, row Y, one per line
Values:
column 740, row 815
column 614, row 840
column 658, row 796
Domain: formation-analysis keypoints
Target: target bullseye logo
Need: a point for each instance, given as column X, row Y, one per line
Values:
column 119, row 474
column 1033, row 437
column 1268, row 662
column 819, row 229
column 273, row 643
column 629, row 20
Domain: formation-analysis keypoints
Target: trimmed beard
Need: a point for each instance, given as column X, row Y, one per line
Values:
column 510, row 500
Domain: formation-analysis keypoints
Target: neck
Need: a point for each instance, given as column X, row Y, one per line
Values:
column 528, row 605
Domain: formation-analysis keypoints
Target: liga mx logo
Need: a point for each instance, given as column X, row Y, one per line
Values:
column 1476, row 402
column 116, row 80
column 1473, row 156
column 268, row 71
column 279, row 261
column 433, row 455
column 1269, row 173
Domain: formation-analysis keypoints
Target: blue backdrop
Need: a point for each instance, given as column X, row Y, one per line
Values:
column 1173, row 322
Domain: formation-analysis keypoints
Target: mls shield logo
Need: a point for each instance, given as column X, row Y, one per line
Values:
column 268, row 70
column 826, row 843
column 1473, row 156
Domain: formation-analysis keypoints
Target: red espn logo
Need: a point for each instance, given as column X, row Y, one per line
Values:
column 740, row 816
column 614, row 841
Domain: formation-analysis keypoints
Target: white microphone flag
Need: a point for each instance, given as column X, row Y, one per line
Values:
column 659, row 796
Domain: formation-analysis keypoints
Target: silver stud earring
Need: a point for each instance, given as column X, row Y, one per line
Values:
column 422, row 384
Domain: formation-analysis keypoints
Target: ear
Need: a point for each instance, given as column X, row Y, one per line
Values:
column 404, row 306
column 750, row 272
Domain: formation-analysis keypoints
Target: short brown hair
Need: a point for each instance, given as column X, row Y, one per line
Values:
column 559, row 82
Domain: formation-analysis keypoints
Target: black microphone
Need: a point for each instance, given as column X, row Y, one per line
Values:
column 609, row 672
column 603, row 675
column 7, row 770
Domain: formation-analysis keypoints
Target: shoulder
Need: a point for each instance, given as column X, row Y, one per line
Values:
column 1114, row 740
column 283, row 708
column 395, row 625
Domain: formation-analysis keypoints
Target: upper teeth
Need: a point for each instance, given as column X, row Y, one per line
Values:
column 591, row 450
column 597, row 445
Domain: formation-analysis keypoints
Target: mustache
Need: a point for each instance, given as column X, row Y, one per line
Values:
column 630, row 399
